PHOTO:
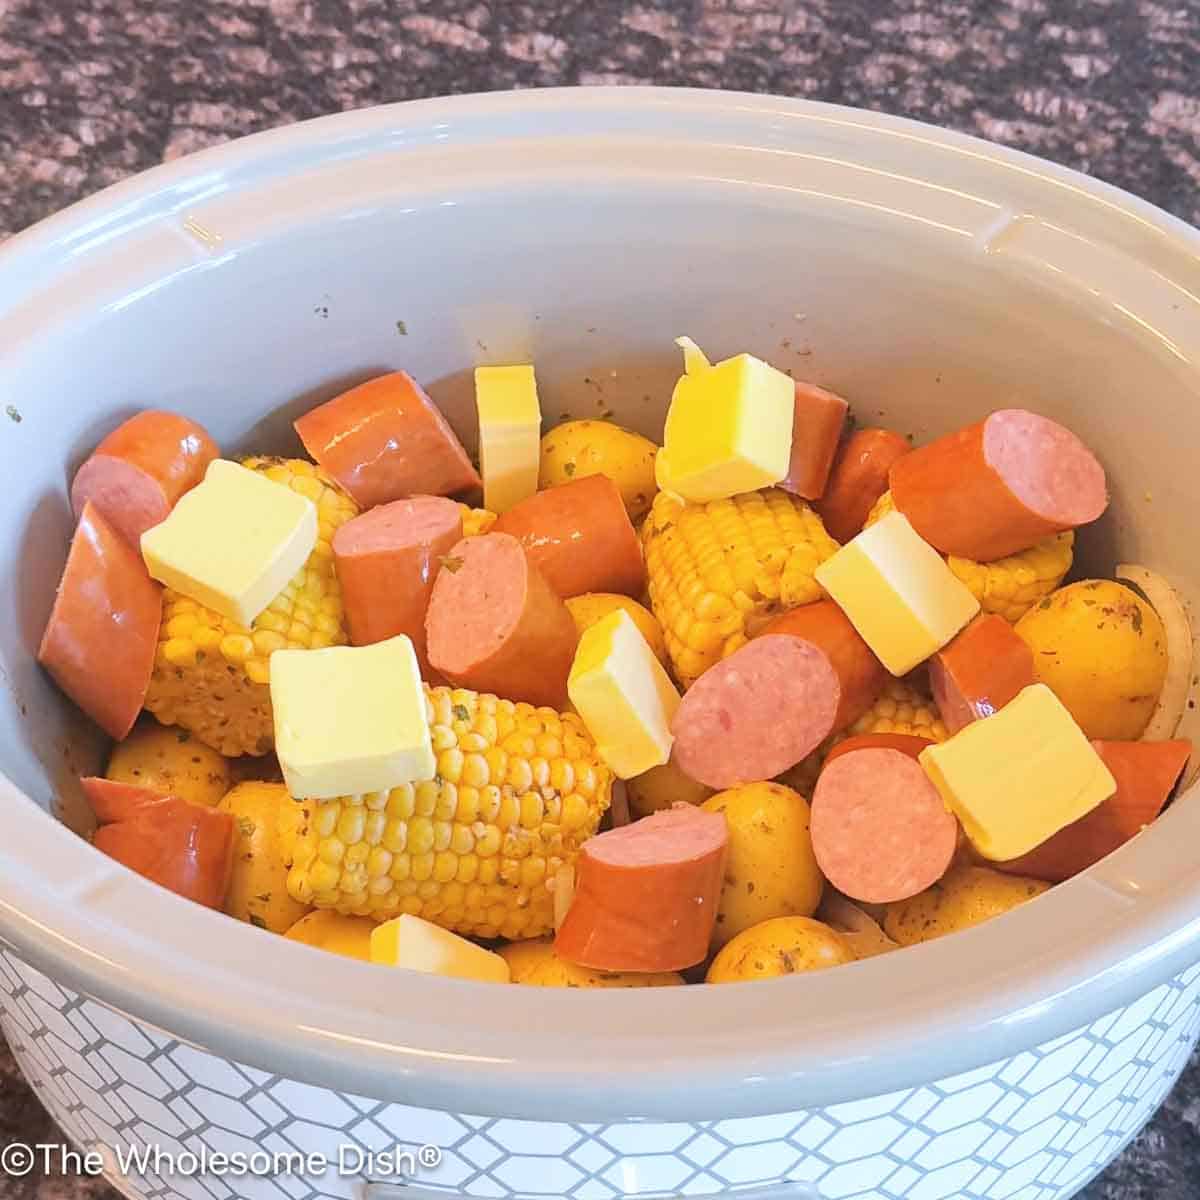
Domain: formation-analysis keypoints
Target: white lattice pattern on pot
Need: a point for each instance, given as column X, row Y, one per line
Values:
column 1033, row 1127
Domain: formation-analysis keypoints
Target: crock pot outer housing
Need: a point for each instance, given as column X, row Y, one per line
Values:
column 927, row 276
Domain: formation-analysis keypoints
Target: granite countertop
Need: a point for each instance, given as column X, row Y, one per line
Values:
column 93, row 90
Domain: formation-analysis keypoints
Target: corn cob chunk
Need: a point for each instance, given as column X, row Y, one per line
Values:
column 476, row 520
column 718, row 572
column 210, row 674
column 1008, row 587
column 518, row 790
column 899, row 709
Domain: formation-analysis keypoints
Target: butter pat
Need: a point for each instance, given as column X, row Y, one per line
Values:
column 232, row 542
column 350, row 719
column 419, row 945
column 1020, row 776
column 898, row 593
column 623, row 695
column 510, row 430
column 728, row 430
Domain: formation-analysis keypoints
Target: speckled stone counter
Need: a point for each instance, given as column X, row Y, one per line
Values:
column 93, row 91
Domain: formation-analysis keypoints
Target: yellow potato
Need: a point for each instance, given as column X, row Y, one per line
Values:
column 965, row 896
column 536, row 965
column 263, row 813
column 660, row 787
column 782, row 946
column 170, row 760
column 594, row 606
column 328, row 930
column 770, row 870
column 578, row 448
column 1102, row 650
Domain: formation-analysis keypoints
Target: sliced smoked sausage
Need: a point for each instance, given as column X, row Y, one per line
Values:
column 859, row 477
column 817, row 429
column 979, row 672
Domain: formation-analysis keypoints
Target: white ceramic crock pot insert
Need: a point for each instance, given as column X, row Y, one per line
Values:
column 926, row 276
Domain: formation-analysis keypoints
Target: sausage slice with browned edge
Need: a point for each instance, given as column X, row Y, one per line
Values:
column 579, row 536
column 859, row 477
column 101, row 638
column 137, row 473
column 386, row 439
column 495, row 625
column 999, row 486
column 880, row 831
column 861, row 675
column 816, row 431
column 112, row 800
column 646, row 894
column 907, row 743
column 757, row 712
column 1146, row 774
column 979, row 672
column 386, row 562
column 183, row 847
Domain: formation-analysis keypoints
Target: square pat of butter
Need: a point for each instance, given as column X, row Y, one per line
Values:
column 233, row 542
column 350, row 719
column 510, row 431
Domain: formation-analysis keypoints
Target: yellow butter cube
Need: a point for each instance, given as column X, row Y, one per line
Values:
column 728, row 430
column 898, row 593
column 510, row 431
column 623, row 695
column 350, row 719
column 325, row 929
column 233, row 542
column 419, row 945
column 1019, row 776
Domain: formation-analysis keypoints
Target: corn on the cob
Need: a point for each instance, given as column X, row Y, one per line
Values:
column 211, row 674
column 518, row 790
column 899, row 709
column 717, row 572
column 476, row 520
column 1008, row 587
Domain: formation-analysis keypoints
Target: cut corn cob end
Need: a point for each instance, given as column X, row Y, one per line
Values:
column 476, row 520
column 1008, row 587
column 518, row 790
column 718, row 572
column 210, row 673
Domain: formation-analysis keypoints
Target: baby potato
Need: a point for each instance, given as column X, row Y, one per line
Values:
column 536, row 965
column 660, row 787
column 170, row 760
column 781, row 946
column 965, row 896
column 770, row 870
column 594, row 606
column 1102, row 650
column 578, row 448
column 325, row 929
column 263, row 814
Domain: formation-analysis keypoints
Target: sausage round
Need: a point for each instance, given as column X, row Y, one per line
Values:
column 386, row 439
column 180, row 846
column 906, row 743
column 102, row 635
column 879, row 828
column 114, row 801
column 495, row 625
column 980, row 671
column 646, row 894
column 386, row 562
column 756, row 713
column 999, row 486
column 860, row 674
column 816, row 431
column 137, row 473
column 859, row 477
column 579, row 536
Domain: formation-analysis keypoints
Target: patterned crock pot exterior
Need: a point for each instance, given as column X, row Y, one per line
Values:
column 1036, row 1126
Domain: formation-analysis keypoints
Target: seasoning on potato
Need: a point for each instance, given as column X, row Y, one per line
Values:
column 578, row 448
column 325, row 929
column 171, row 761
column 535, row 964
column 660, row 787
column 781, row 946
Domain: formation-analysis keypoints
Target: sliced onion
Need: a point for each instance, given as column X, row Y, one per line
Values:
column 864, row 934
column 618, row 805
column 563, row 887
column 1172, row 700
